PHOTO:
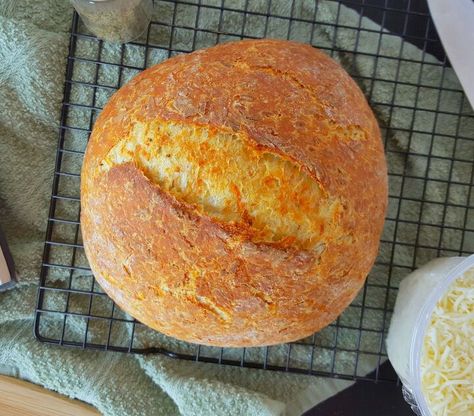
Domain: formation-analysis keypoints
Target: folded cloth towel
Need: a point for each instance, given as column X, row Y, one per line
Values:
column 33, row 50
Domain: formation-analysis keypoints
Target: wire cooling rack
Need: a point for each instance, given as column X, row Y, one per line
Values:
column 430, row 213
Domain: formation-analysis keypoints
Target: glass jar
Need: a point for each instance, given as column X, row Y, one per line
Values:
column 115, row 20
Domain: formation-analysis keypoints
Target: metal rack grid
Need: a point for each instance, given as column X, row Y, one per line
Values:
column 71, row 306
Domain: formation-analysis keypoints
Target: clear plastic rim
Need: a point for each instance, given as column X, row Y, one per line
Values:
column 421, row 325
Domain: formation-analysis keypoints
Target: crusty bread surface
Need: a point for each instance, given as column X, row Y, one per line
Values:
column 235, row 196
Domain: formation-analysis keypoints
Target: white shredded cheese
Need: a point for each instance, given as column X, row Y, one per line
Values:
column 447, row 363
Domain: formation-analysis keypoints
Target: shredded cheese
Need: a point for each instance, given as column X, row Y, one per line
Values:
column 447, row 364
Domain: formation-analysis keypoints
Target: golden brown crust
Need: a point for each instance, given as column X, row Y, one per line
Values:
column 191, row 277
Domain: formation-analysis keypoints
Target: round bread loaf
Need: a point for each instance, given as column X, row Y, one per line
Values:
column 235, row 196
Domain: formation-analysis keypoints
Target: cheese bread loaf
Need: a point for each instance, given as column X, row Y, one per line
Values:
column 235, row 196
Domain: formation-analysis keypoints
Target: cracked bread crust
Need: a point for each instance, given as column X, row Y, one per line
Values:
column 224, row 275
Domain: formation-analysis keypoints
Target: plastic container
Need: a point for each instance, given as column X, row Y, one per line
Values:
column 418, row 295
column 115, row 20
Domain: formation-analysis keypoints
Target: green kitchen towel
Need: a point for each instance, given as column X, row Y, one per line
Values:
column 33, row 49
